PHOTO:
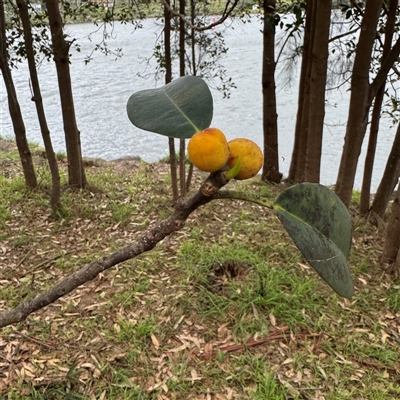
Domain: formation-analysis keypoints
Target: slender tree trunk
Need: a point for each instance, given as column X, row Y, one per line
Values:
column 76, row 172
column 319, row 63
column 182, row 146
column 193, row 36
column 182, row 37
column 270, row 170
column 370, row 156
column 15, row 111
column 389, row 179
column 37, row 98
column 360, row 103
column 391, row 248
column 298, row 161
column 168, row 79
column 376, row 114
column 194, row 71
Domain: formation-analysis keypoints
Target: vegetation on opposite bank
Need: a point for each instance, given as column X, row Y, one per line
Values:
column 226, row 308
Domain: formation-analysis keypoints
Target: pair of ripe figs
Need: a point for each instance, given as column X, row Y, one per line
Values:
column 209, row 151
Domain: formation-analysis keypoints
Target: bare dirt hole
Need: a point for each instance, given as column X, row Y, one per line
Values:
column 220, row 274
column 230, row 268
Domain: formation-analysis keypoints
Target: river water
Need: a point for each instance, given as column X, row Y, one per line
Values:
column 103, row 86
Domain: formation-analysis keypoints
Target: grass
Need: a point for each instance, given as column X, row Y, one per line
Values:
column 12, row 191
column 226, row 308
column 95, row 12
column 393, row 300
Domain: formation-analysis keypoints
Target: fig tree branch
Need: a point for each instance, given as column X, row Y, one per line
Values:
column 150, row 237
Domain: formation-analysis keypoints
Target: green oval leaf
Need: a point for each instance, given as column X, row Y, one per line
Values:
column 320, row 225
column 178, row 109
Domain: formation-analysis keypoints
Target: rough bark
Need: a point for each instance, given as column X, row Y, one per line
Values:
column 37, row 98
column 389, row 179
column 76, row 172
column 270, row 170
column 359, row 103
column 376, row 114
column 148, row 240
column 14, row 108
column 319, row 63
column 298, row 160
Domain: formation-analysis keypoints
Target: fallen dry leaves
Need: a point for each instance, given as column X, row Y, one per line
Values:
column 73, row 342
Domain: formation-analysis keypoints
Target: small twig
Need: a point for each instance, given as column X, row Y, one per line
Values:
column 340, row 35
column 276, row 335
column 48, row 261
column 310, row 388
column 20, row 262
column 37, row 341
column 359, row 9
column 373, row 364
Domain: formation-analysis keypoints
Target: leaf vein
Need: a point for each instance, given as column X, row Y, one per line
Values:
column 184, row 115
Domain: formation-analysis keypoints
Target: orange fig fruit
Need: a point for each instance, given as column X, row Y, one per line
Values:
column 251, row 156
column 208, row 150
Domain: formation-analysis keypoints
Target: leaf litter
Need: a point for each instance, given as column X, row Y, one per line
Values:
column 142, row 326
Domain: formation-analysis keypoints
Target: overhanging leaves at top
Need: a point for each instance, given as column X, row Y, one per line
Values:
column 320, row 225
column 178, row 109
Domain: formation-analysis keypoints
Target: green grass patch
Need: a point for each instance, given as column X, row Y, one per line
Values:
column 226, row 307
column 393, row 300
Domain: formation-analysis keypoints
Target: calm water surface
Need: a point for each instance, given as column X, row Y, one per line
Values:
column 102, row 88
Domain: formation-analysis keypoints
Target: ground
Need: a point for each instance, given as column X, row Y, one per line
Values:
column 225, row 308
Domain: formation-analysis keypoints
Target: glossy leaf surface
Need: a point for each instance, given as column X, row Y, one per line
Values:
column 178, row 109
column 320, row 225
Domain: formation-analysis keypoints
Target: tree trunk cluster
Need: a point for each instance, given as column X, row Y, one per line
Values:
column 367, row 91
column 14, row 108
column 391, row 249
column 306, row 156
column 76, row 171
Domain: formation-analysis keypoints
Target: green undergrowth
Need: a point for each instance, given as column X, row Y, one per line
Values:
column 94, row 12
column 225, row 308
